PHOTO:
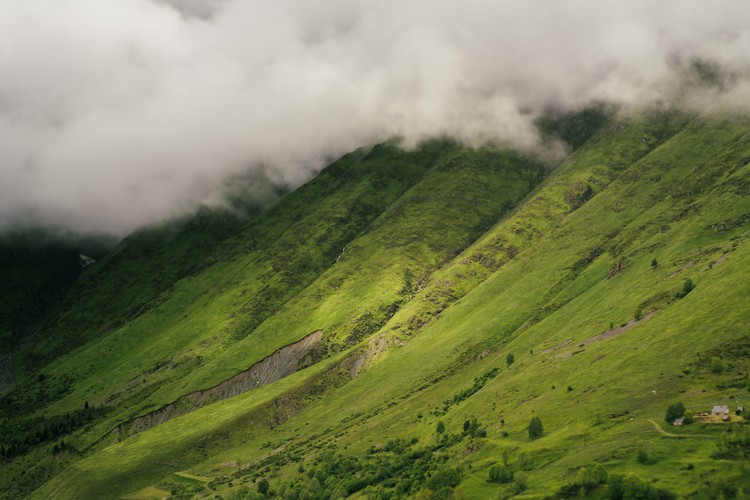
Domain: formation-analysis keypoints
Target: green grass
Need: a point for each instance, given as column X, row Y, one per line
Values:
column 458, row 269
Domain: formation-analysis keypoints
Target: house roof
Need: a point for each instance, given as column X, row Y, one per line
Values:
column 720, row 409
column 678, row 421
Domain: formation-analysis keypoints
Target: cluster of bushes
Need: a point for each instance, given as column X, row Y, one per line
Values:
column 18, row 437
column 369, row 323
column 645, row 455
column 473, row 429
column 733, row 444
column 500, row 474
column 623, row 487
column 504, row 474
column 479, row 382
column 397, row 469
column 587, row 480
column 614, row 487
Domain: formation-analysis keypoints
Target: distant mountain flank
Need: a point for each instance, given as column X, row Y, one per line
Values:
column 443, row 322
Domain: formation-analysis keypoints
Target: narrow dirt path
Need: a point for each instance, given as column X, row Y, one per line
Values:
column 662, row 431
column 669, row 434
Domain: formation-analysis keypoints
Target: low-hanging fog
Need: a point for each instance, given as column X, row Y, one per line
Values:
column 119, row 113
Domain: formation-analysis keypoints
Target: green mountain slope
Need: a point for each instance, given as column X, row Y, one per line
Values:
column 268, row 263
column 462, row 303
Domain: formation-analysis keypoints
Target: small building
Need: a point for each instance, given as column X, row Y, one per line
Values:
column 740, row 410
column 719, row 411
column 726, row 416
column 678, row 421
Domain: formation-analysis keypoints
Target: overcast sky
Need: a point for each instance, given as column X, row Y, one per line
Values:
column 119, row 113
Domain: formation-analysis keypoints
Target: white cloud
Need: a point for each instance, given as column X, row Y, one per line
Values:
column 117, row 113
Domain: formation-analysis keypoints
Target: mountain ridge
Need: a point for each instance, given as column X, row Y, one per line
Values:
column 420, row 314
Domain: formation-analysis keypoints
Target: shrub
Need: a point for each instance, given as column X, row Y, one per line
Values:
column 644, row 456
column 633, row 487
column 446, row 478
column 654, row 264
column 599, row 474
column 583, row 478
column 717, row 365
column 689, row 419
column 686, row 288
column 510, row 359
column 638, row 314
column 734, row 444
column 536, row 429
column 474, row 428
column 263, row 486
column 590, row 478
column 519, row 484
column 500, row 474
column 440, row 427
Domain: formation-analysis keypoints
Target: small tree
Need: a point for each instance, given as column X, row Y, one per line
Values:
column 644, row 455
column 654, row 264
column 717, row 365
column 638, row 314
column 536, row 429
column 440, row 427
column 263, row 487
column 674, row 411
column 688, row 416
column 686, row 288
column 510, row 359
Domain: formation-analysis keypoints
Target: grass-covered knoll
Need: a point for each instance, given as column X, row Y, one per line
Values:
column 583, row 283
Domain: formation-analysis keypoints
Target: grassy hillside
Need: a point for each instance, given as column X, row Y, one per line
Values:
column 180, row 348
column 468, row 298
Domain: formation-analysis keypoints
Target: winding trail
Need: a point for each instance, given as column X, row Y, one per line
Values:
column 662, row 431
column 669, row 434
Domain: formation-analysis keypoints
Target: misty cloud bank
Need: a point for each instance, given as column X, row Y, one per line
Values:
column 118, row 113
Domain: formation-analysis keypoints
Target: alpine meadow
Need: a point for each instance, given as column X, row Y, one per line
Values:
column 268, row 273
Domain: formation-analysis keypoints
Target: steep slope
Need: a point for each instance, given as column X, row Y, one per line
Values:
column 410, row 359
column 684, row 205
column 170, row 348
column 547, row 284
column 38, row 267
